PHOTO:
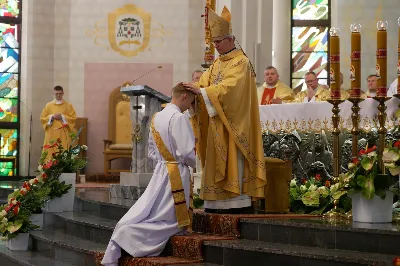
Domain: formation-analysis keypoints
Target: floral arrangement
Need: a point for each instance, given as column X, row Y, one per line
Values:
column 315, row 196
column 63, row 160
column 14, row 215
column 363, row 175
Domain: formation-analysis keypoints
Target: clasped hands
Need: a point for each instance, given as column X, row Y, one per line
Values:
column 57, row 116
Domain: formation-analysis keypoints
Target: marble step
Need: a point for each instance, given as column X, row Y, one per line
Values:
column 196, row 264
column 342, row 234
column 251, row 252
column 81, row 224
column 27, row 258
column 57, row 245
column 110, row 209
column 4, row 192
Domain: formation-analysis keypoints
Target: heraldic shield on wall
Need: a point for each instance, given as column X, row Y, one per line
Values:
column 129, row 30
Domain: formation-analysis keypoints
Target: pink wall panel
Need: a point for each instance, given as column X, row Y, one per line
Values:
column 100, row 80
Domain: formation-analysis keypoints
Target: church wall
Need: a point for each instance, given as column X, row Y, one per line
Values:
column 66, row 43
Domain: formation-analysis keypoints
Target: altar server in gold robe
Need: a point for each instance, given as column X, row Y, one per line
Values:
column 228, row 129
column 58, row 120
column 273, row 91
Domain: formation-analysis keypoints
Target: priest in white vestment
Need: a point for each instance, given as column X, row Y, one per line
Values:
column 162, row 210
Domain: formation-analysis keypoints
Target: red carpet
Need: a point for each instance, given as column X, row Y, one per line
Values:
column 228, row 224
column 188, row 249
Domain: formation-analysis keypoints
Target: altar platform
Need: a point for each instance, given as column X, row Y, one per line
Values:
column 80, row 238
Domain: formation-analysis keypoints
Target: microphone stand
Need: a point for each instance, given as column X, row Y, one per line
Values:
column 30, row 145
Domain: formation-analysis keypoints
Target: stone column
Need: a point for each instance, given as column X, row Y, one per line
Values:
column 281, row 39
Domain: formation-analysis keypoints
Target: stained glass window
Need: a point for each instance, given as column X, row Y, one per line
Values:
column 310, row 9
column 310, row 27
column 10, row 8
column 10, row 32
column 8, row 151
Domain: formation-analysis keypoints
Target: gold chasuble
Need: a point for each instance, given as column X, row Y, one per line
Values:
column 231, row 90
column 181, row 212
column 58, row 129
column 280, row 91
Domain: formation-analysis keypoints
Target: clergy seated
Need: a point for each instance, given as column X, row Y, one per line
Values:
column 119, row 142
column 322, row 93
column 273, row 91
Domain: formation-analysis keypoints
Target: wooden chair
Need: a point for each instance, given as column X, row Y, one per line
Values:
column 119, row 142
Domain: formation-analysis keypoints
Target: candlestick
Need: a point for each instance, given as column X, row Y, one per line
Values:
column 398, row 59
column 381, row 59
column 334, row 58
column 334, row 213
column 355, row 56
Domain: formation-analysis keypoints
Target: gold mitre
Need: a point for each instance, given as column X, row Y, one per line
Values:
column 220, row 26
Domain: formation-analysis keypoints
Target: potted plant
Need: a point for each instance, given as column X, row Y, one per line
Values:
column 15, row 223
column 61, row 171
column 370, row 191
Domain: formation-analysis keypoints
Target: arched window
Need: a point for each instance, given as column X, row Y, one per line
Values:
column 10, row 40
column 311, row 20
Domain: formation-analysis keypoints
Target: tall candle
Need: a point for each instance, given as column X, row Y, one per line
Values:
column 398, row 60
column 381, row 59
column 334, row 58
column 355, row 56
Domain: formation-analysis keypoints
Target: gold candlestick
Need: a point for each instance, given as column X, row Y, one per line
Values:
column 334, row 213
column 382, row 129
column 355, row 118
column 398, row 59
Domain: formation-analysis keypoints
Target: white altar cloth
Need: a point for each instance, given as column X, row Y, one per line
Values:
column 317, row 116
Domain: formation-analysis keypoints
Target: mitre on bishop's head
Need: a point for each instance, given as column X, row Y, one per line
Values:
column 220, row 26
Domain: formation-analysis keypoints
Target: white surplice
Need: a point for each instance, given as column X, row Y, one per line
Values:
column 145, row 229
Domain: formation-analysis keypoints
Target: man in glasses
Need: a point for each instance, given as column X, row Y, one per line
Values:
column 315, row 92
column 228, row 126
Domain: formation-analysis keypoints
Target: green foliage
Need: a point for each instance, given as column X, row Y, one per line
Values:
column 364, row 176
column 312, row 196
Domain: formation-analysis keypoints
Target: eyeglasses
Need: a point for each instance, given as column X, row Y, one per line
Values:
column 218, row 41
column 310, row 81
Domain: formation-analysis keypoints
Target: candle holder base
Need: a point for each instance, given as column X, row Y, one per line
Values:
column 206, row 65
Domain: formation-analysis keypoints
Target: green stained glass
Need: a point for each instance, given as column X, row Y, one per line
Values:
column 10, row 8
column 310, row 9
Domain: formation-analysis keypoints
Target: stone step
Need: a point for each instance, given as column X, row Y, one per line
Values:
column 109, row 209
column 196, row 264
column 81, row 224
column 26, row 258
column 251, row 252
column 57, row 245
column 344, row 235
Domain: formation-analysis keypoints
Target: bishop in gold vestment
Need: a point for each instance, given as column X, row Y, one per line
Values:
column 58, row 127
column 227, row 125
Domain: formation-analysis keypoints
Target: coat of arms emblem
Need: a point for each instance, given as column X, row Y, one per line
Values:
column 129, row 30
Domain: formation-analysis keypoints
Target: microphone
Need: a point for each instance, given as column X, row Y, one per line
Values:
column 146, row 74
